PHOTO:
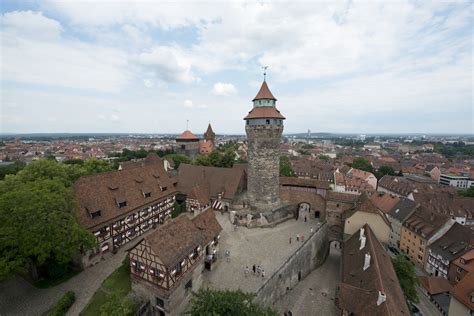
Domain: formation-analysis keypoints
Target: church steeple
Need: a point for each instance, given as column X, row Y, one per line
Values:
column 264, row 93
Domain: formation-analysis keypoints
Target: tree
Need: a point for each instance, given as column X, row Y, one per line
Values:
column 226, row 302
column 362, row 164
column 407, row 277
column 285, row 167
column 11, row 169
column 38, row 219
column 468, row 192
column 93, row 165
column 324, row 157
column 116, row 306
column 384, row 170
column 178, row 159
column 217, row 158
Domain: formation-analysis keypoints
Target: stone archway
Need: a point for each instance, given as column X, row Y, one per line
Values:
column 315, row 203
column 303, row 210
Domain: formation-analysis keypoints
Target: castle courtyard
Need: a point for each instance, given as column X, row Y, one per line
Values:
column 270, row 248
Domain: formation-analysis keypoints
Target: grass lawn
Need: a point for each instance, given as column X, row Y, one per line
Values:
column 117, row 283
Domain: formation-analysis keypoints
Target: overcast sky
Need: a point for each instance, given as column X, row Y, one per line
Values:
column 363, row 67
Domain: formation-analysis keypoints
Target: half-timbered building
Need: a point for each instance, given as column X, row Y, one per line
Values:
column 166, row 265
column 119, row 206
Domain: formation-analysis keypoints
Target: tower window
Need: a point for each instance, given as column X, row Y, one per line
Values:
column 248, row 122
column 268, row 122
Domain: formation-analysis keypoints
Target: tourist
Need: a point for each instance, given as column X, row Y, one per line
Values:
column 254, row 269
column 297, row 237
column 312, row 230
column 302, row 237
column 258, row 270
column 247, row 271
column 290, row 240
column 263, row 273
column 305, row 219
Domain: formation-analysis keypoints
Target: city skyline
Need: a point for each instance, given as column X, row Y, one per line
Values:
column 339, row 68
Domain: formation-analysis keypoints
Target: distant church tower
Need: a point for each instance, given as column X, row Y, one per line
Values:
column 264, row 126
column 209, row 135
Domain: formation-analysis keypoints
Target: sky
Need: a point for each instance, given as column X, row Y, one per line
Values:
column 150, row 66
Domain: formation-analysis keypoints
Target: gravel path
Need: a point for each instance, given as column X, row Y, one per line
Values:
column 18, row 297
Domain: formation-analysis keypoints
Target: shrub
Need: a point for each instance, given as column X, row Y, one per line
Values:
column 63, row 305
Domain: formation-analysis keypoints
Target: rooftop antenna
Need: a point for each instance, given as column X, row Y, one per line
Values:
column 264, row 72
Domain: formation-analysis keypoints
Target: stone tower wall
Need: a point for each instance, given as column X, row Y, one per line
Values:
column 263, row 166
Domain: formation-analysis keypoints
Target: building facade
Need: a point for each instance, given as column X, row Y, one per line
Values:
column 119, row 206
column 264, row 126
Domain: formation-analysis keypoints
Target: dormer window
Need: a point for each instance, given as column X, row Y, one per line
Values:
column 147, row 194
column 463, row 261
column 163, row 188
column 95, row 214
column 122, row 204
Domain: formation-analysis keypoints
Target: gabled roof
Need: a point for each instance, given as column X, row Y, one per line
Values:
column 264, row 93
column 402, row 210
column 457, row 241
column 384, row 202
column 221, row 180
column 201, row 193
column 102, row 192
column 435, row 285
column 175, row 240
column 359, row 288
column 464, row 290
column 263, row 112
column 207, row 223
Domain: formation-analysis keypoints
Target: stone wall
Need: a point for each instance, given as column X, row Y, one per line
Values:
column 309, row 256
column 263, row 166
column 316, row 201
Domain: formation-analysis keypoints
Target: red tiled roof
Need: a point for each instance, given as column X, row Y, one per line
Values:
column 264, row 93
column 435, row 285
column 187, row 135
column 464, row 290
column 264, row 112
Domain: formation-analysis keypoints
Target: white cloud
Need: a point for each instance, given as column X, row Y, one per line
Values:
column 224, row 89
column 114, row 117
column 148, row 83
column 166, row 63
column 188, row 104
column 31, row 24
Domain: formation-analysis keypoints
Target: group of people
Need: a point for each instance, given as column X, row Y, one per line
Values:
column 300, row 236
column 257, row 271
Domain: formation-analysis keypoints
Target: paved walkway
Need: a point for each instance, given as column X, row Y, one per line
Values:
column 267, row 247
column 18, row 297
column 315, row 294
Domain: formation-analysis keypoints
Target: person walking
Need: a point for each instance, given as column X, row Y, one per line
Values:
column 263, row 274
column 302, row 237
column 258, row 270
column 312, row 230
column 290, row 240
column 254, row 268
column 247, row 271
column 297, row 237
column 305, row 219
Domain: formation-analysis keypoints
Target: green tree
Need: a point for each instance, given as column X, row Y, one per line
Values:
column 178, row 159
column 11, row 169
column 407, row 277
column 384, row 170
column 285, row 167
column 362, row 164
column 116, row 306
column 38, row 222
column 93, row 165
column 324, row 157
column 226, row 302
column 468, row 192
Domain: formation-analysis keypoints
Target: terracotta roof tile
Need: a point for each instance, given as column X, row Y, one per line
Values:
column 264, row 93
column 435, row 285
column 104, row 191
column 359, row 288
column 464, row 290
column 187, row 135
column 207, row 223
column 264, row 112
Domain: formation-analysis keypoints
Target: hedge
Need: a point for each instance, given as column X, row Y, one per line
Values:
column 63, row 305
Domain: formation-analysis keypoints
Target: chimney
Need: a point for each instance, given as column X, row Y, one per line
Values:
column 367, row 261
column 361, row 233
column 362, row 243
column 382, row 298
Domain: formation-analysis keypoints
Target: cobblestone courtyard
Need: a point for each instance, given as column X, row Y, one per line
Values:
column 269, row 248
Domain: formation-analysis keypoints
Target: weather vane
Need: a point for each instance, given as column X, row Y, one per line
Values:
column 264, row 72
column 187, row 124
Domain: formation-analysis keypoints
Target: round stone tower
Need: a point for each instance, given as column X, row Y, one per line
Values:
column 264, row 126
